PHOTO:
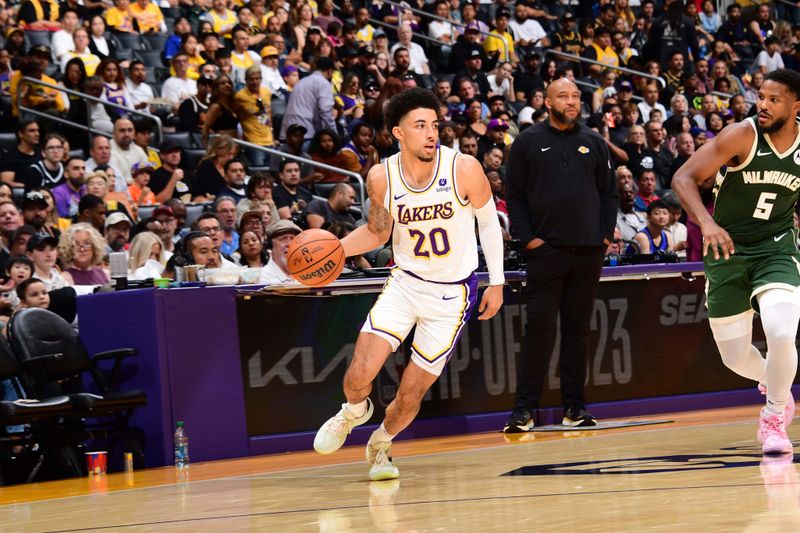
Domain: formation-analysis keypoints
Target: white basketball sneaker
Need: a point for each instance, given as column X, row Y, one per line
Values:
column 380, row 462
column 333, row 433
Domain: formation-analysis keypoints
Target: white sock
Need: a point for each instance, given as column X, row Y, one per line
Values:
column 780, row 312
column 358, row 409
column 381, row 434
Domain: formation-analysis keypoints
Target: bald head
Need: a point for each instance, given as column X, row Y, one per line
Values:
column 564, row 103
column 561, row 84
column 123, row 133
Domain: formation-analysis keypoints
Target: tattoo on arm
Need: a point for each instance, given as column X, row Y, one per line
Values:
column 379, row 218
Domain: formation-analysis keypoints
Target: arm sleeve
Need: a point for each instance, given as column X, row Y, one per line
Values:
column 491, row 241
column 607, row 187
column 516, row 193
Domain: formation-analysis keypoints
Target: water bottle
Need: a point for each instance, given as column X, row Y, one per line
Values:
column 181, row 446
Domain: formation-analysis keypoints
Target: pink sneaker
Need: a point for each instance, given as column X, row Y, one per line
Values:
column 772, row 428
column 788, row 412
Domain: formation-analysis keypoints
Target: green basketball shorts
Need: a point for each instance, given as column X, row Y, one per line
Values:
column 733, row 284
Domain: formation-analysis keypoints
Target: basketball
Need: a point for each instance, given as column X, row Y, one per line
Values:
column 315, row 258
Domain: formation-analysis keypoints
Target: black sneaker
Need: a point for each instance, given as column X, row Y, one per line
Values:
column 520, row 421
column 578, row 417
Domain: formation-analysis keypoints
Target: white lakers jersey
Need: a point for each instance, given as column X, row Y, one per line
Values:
column 434, row 228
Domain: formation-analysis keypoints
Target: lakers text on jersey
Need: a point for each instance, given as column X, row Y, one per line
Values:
column 434, row 286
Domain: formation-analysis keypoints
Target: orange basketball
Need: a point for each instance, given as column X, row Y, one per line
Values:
column 315, row 258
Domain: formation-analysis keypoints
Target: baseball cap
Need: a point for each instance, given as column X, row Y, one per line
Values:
column 11, row 30
column 282, row 227
column 567, row 16
column 378, row 33
column 142, row 167
column 503, row 12
column 473, row 26
column 38, row 240
column 168, row 146
column 39, row 49
column 269, row 51
column 34, row 197
column 625, row 86
column 288, row 69
column 247, row 216
column 296, row 127
column 116, row 217
column 497, row 124
column 474, row 53
column 163, row 210
column 26, row 229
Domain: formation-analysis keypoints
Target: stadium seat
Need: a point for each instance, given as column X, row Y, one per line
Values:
column 150, row 58
column 18, row 194
column 171, row 13
column 181, row 138
column 150, row 75
column 123, row 54
column 8, row 140
column 191, row 158
column 155, row 41
column 146, row 211
column 128, row 41
column 36, row 38
column 323, row 189
column 193, row 211
column 38, row 333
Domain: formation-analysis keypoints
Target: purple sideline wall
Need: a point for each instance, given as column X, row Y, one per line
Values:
column 190, row 368
column 188, row 364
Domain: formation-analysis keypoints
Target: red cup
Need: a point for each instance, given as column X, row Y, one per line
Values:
column 96, row 463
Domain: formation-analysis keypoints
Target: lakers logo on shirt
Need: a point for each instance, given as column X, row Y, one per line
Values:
column 583, row 150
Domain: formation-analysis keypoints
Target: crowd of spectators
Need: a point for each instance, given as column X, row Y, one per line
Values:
column 310, row 79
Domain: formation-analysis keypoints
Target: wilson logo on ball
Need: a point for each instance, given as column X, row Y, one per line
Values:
column 315, row 258
column 320, row 272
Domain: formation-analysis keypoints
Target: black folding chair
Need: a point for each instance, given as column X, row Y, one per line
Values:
column 36, row 333
column 28, row 424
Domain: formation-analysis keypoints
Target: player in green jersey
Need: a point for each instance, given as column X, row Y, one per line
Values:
column 752, row 263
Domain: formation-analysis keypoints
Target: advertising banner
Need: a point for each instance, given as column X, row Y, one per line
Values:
column 648, row 338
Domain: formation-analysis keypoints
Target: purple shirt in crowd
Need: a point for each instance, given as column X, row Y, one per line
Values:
column 66, row 199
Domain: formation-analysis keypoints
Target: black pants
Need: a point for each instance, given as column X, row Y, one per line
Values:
column 565, row 280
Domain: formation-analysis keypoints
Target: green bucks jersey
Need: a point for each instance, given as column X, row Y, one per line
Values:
column 755, row 200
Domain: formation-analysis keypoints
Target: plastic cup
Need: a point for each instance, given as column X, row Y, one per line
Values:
column 96, row 463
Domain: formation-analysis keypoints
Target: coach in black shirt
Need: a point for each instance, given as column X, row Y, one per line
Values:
column 562, row 203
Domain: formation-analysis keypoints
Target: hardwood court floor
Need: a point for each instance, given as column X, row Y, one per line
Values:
column 702, row 473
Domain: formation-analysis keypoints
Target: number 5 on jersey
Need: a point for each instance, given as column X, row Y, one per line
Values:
column 439, row 244
column 764, row 205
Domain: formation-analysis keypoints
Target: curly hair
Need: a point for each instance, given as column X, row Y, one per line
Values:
column 403, row 103
column 66, row 245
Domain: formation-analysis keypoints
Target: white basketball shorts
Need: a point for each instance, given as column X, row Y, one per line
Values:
column 439, row 310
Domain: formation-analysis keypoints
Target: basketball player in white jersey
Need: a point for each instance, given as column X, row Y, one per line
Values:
column 427, row 198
